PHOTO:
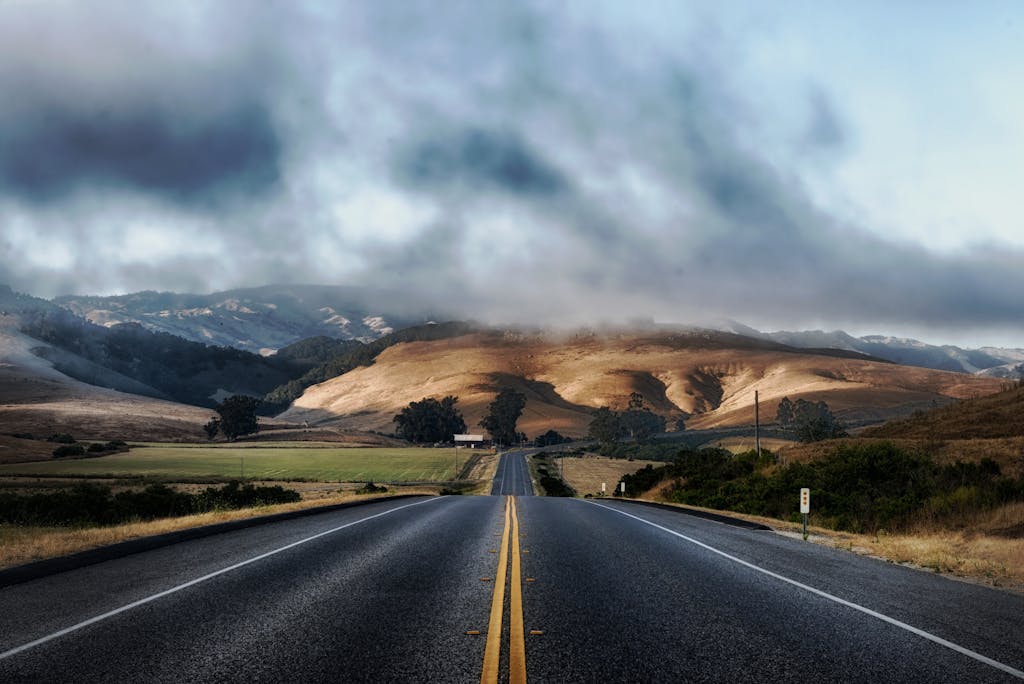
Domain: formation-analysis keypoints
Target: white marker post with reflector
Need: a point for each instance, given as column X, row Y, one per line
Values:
column 805, row 506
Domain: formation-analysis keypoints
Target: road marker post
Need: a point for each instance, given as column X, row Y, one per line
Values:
column 622, row 488
column 805, row 506
column 603, row 490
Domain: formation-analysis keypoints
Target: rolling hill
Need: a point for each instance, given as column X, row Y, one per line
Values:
column 37, row 399
column 990, row 417
column 707, row 377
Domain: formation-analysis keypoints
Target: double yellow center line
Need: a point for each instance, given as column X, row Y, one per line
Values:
column 517, row 645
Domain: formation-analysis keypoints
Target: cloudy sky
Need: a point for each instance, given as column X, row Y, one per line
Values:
column 787, row 164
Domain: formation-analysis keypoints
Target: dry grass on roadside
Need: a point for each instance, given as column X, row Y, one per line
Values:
column 20, row 545
column 482, row 473
column 981, row 552
column 585, row 475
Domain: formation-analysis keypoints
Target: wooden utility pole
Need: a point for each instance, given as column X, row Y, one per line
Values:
column 757, row 425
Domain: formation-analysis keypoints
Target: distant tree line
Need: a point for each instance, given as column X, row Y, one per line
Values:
column 176, row 368
column 90, row 504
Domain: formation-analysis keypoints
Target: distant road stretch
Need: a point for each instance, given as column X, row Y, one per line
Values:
column 503, row 588
column 513, row 475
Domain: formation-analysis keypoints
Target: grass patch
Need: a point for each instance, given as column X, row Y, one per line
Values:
column 255, row 462
column 585, row 475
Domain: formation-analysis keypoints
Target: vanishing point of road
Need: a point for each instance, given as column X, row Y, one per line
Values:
column 508, row 587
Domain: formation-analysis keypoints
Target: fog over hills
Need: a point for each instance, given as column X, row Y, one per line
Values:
column 996, row 362
column 706, row 376
column 261, row 319
column 264, row 319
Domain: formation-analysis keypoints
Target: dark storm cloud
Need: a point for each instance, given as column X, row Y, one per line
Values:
column 186, row 155
column 476, row 158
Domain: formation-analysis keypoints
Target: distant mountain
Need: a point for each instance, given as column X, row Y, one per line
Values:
column 261, row 319
column 987, row 361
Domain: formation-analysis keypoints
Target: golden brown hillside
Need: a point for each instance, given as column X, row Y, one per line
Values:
column 994, row 416
column 710, row 378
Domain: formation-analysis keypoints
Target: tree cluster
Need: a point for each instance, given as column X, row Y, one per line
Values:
column 637, row 422
column 430, row 420
column 809, row 421
column 551, row 438
column 503, row 414
column 236, row 417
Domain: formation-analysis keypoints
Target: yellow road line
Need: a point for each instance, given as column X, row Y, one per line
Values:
column 492, row 653
column 516, row 644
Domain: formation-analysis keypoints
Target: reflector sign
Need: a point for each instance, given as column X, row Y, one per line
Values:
column 805, row 500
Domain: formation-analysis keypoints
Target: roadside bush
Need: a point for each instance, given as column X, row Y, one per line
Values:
column 858, row 487
column 90, row 504
column 554, row 486
column 370, row 488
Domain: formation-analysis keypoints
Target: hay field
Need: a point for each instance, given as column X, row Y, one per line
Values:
column 256, row 462
column 585, row 475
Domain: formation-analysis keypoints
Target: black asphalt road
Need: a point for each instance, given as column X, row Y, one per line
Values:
column 513, row 475
column 622, row 593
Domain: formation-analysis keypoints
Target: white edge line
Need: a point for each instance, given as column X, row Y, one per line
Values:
column 867, row 611
column 167, row 592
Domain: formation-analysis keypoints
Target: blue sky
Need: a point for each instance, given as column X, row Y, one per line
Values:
column 790, row 164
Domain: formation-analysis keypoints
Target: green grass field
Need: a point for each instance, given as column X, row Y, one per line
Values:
column 259, row 462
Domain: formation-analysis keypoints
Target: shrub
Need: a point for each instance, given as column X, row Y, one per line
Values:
column 858, row 487
column 68, row 450
column 370, row 488
column 61, row 438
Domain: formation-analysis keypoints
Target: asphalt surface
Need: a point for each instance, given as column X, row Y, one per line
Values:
column 620, row 592
column 513, row 474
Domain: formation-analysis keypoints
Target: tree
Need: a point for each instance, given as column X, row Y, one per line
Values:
column 809, row 421
column 639, row 422
column 430, row 420
column 680, row 424
column 784, row 414
column 605, row 427
column 503, row 414
column 238, row 416
column 551, row 438
column 211, row 428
